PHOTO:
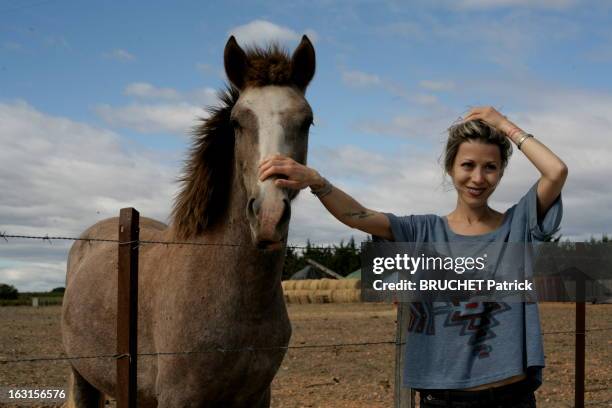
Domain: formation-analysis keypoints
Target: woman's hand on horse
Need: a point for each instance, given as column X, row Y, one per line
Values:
column 297, row 175
column 491, row 116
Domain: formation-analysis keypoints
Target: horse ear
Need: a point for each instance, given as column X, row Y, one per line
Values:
column 303, row 64
column 235, row 61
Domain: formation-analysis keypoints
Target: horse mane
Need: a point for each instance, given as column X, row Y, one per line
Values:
column 206, row 179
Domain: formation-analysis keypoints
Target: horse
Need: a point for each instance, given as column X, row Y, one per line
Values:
column 225, row 293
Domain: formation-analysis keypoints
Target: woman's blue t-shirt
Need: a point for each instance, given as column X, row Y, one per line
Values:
column 444, row 352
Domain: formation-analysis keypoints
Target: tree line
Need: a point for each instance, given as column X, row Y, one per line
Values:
column 343, row 258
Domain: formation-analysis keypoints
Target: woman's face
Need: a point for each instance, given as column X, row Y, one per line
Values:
column 476, row 172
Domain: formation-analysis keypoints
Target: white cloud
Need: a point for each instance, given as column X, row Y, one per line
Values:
column 509, row 41
column 119, row 55
column 437, row 85
column 58, row 177
column 425, row 128
column 168, row 111
column 146, row 90
column 34, row 276
column 202, row 96
column 404, row 182
column 261, row 32
column 173, row 118
column 360, row 79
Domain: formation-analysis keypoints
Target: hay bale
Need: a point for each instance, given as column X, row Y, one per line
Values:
column 302, row 296
column 321, row 296
column 346, row 295
column 288, row 285
column 297, row 296
column 349, row 284
column 301, row 284
column 338, row 296
column 313, row 284
column 306, row 296
column 335, row 284
column 324, row 284
column 290, row 297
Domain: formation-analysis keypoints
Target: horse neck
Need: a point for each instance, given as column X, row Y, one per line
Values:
column 262, row 270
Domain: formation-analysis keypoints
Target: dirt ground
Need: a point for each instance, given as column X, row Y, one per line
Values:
column 334, row 377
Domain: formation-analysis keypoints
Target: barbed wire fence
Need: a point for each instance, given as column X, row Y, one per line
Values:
column 50, row 239
column 245, row 349
column 304, row 347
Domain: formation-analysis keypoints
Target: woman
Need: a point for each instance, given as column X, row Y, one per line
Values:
column 500, row 364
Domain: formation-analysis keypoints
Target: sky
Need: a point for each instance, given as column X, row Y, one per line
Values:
column 97, row 101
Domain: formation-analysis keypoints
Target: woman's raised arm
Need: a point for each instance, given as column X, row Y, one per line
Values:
column 341, row 205
column 552, row 169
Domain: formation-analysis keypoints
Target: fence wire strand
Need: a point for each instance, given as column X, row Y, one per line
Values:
column 206, row 351
column 248, row 349
column 49, row 239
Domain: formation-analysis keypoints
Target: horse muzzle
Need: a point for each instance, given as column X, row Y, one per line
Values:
column 268, row 217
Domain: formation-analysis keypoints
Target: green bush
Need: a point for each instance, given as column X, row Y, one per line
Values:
column 8, row 292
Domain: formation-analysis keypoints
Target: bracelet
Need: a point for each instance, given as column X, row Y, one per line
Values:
column 522, row 140
column 512, row 131
column 324, row 190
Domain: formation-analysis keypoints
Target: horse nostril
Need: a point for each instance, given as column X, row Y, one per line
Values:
column 286, row 213
column 253, row 207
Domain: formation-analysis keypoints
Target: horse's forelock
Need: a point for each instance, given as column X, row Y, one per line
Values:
column 268, row 66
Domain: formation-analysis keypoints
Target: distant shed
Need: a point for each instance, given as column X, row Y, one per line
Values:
column 308, row 272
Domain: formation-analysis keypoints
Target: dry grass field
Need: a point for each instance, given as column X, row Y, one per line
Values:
column 332, row 377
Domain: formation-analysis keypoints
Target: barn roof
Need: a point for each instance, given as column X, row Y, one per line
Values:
column 308, row 272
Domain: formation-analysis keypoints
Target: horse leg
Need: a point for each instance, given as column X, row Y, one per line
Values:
column 261, row 400
column 82, row 394
column 188, row 396
column 265, row 399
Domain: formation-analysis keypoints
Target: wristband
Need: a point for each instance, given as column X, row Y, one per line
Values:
column 324, row 190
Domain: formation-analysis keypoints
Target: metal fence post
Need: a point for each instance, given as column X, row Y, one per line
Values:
column 580, row 343
column 127, row 307
column 404, row 397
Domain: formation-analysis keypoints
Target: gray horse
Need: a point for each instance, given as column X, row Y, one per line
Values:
column 201, row 298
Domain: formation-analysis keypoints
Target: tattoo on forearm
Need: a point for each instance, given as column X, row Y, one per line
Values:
column 359, row 214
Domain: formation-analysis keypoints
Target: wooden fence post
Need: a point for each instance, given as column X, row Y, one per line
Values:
column 127, row 307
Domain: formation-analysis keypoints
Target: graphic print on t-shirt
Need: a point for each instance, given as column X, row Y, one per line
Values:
column 476, row 320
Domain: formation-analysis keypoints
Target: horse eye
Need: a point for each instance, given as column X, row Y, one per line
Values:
column 307, row 124
column 235, row 124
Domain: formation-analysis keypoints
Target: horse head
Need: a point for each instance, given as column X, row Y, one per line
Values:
column 271, row 116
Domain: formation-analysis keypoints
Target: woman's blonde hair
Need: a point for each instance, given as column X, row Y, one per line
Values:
column 479, row 131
